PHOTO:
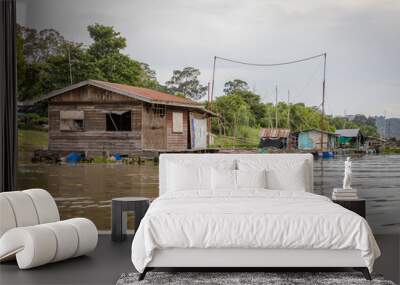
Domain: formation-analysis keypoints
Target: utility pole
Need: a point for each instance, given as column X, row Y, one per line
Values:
column 213, row 79
column 384, row 129
column 323, row 105
column 276, row 106
column 288, row 120
column 209, row 118
column 288, row 112
column 208, row 92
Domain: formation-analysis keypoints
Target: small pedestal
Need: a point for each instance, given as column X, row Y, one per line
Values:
column 120, row 207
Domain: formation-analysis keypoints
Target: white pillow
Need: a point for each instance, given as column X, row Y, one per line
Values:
column 182, row 177
column 287, row 176
column 223, row 179
column 251, row 178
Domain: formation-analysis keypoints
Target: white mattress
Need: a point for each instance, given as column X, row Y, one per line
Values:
column 253, row 219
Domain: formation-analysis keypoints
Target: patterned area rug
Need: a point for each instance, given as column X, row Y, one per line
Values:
column 229, row 278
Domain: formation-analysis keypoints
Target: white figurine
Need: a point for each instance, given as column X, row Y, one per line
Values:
column 347, row 174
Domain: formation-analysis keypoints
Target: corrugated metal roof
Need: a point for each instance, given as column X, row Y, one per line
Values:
column 149, row 93
column 274, row 133
column 348, row 133
column 316, row 130
column 139, row 93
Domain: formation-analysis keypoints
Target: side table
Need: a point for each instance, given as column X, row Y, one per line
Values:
column 357, row 206
column 119, row 208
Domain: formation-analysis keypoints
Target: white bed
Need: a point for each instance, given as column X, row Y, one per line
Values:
column 202, row 220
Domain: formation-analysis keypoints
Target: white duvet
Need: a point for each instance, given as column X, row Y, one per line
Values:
column 250, row 219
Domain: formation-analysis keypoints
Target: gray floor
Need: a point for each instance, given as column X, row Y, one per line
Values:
column 104, row 266
column 110, row 260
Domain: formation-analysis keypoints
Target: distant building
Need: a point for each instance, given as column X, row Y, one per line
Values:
column 311, row 140
column 350, row 138
column 388, row 127
column 274, row 137
column 101, row 117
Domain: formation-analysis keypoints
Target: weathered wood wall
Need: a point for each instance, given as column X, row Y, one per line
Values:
column 177, row 141
column 94, row 139
column 154, row 136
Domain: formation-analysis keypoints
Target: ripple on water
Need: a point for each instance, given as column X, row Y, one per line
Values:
column 87, row 189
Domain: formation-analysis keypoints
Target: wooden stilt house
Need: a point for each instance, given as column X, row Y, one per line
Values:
column 99, row 117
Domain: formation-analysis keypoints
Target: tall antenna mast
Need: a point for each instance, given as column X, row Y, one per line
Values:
column 288, row 112
column 323, row 105
column 70, row 67
column 276, row 106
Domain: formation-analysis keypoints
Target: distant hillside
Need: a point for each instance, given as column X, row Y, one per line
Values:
column 388, row 128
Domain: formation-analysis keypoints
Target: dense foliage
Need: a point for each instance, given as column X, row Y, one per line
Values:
column 242, row 107
column 46, row 61
column 186, row 83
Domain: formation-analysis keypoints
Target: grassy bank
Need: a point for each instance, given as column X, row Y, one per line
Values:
column 29, row 140
column 391, row 150
column 246, row 137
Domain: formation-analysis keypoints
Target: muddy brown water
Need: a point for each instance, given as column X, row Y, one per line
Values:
column 86, row 190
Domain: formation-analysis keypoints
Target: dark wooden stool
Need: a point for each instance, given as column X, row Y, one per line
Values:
column 120, row 207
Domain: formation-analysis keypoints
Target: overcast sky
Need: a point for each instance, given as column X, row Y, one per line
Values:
column 361, row 38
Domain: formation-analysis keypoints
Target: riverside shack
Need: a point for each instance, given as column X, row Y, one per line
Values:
column 311, row 140
column 274, row 137
column 100, row 117
column 350, row 138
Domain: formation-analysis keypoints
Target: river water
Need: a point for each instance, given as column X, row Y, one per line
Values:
column 86, row 190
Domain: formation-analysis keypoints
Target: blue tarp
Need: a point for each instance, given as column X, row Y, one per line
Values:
column 73, row 157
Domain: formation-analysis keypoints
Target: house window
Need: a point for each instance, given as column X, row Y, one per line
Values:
column 177, row 122
column 72, row 120
column 118, row 121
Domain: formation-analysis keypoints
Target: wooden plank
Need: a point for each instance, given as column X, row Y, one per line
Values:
column 177, row 141
column 153, row 129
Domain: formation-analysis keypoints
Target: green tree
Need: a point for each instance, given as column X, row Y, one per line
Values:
column 111, row 64
column 257, row 108
column 235, row 85
column 186, row 81
column 106, row 41
column 34, row 50
column 234, row 112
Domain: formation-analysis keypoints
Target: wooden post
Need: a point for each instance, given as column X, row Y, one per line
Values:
column 288, row 113
column 213, row 79
column 288, row 120
column 276, row 106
